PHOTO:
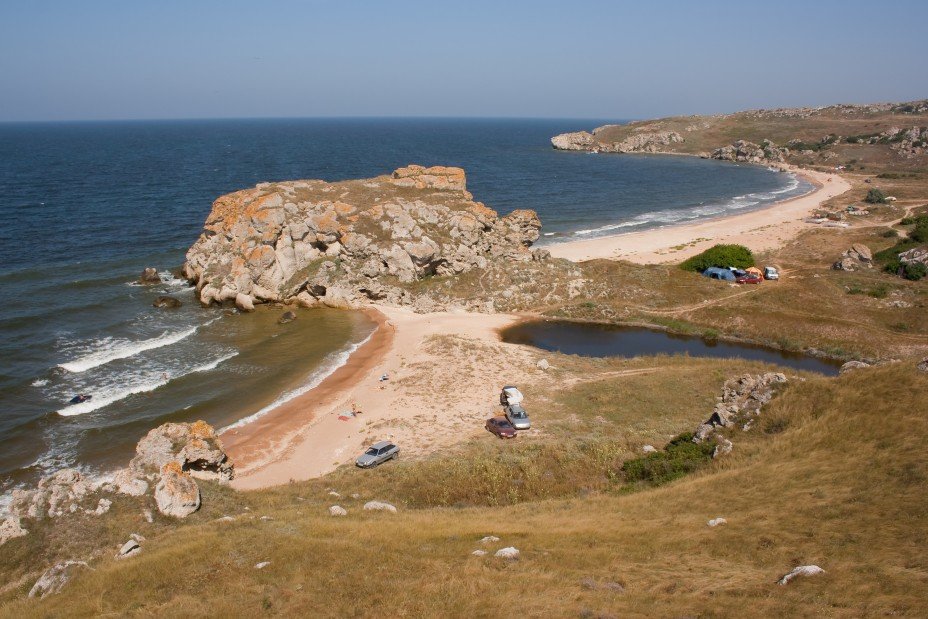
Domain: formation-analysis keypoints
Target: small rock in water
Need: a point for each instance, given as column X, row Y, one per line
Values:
column 509, row 552
column 379, row 506
column 129, row 549
column 338, row 510
column 262, row 565
column 489, row 539
column 167, row 302
column 286, row 317
column 716, row 522
column 649, row 449
column 802, row 570
column 150, row 276
column 479, row 553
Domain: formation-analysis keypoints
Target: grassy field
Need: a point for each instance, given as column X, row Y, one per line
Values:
column 834, row 474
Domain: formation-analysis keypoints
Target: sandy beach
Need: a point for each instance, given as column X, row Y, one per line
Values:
column 444, row 374
column 760, row 230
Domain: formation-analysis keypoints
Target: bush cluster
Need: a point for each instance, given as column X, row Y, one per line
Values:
column 875, row 196
column 681, row 456
column 722, row 256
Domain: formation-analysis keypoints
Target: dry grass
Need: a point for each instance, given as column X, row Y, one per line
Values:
column 834, row 475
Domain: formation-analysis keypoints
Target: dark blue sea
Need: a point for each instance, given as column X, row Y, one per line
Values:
column 86, row 206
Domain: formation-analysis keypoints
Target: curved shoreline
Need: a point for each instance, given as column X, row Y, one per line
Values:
column 677, row 242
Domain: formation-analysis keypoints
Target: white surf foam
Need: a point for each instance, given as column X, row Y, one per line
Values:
column 40, row 382
column 329, row 366
column 110, row 395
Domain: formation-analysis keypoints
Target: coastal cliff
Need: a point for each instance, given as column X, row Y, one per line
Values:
column 345, row 243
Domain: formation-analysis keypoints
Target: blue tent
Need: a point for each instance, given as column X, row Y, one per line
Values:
column 717, row 273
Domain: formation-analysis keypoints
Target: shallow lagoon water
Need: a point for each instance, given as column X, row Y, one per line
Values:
column 604, row 340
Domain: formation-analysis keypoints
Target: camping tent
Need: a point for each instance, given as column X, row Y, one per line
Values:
column 755, row 271
column 717, row 273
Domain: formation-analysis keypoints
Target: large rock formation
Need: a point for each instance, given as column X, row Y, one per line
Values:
column 741, row 401
column 345, row 243
column 195, row 447
column 56, row 495
column 578, row 140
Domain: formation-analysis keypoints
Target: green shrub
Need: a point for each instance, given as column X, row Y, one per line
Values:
column 890, row 234
column 681, row 456
column 875, row 196
column 920, row 232
column 720, row 256
column 914, row 271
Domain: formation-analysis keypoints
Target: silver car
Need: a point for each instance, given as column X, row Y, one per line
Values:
column 518, row 417
column 378, row 453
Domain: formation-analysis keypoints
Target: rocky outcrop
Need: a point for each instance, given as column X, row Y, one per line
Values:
column 344, row 244
column 742, row 150
column 916, row 255
column 55, row 578
column 856, row 257
column 641, row 141
column 11, row 528
column 195, row 447
column 177, row 494
column 741, row 401
column 578, row 140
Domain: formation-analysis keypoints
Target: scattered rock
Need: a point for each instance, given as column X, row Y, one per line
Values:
column 802, row 570
column 150, row 276
column 649, row 449
column 922, row 366
column 716, row 522
column 148, row 516
column 479, row 553
column 167, row 302
column 129, row 549
column 850, row 366
column 177, row 494
column 55, row 578
column 126, row 481
column 723, row 448
column 857, row 256
column 543, row 364
column 333, row 493
column 225, row 519
column 489, row 539
column 262, row 565
column 286, row 317
column 103, row 506
column 510, row 552
column 379, row 506
column 56, row 495
column 11, row 528
column 355, row 495
column 338, row 510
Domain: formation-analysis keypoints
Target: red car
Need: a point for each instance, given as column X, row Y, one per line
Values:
column 501, row 427
column 748, row 278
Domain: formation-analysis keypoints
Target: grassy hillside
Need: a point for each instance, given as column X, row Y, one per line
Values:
column 821, row 137
column 834, row 474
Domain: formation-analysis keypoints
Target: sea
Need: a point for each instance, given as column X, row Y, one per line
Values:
column 85, row 206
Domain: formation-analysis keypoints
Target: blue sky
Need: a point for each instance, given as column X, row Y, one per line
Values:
column 123, row 59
